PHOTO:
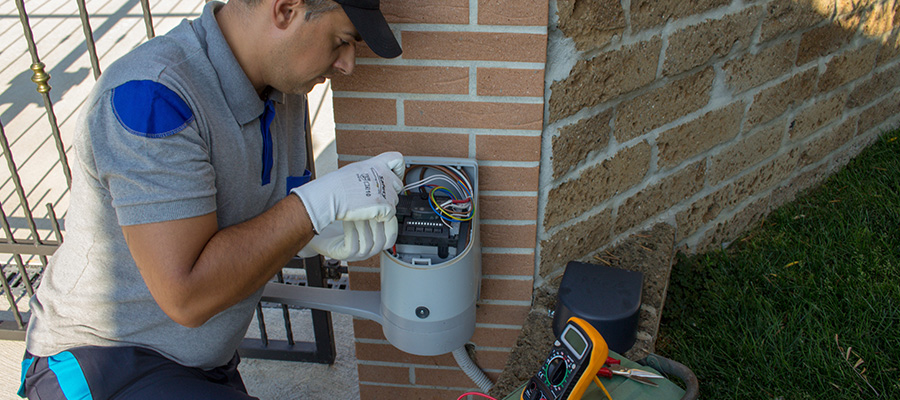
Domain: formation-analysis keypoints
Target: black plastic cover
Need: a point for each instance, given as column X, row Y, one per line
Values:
column 608, row 298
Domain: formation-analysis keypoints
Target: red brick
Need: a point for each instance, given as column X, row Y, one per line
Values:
column 508, row 148
column 444, row 377
column 508, row 207
column 521, row 236
column 365, row 111
column 373, row 392
column 495, row 337
column 382, row 374
column 508, row 178
column 370, row 143
column 389, row 353
column 510, row 82
column 507, row 264
column 365, row 329
column 404, row 79
column 426, row 11
column 506, row 289
column 501, row 314
column 485, row 46
column 365, row 280
column 469, row 114
column 507, row 12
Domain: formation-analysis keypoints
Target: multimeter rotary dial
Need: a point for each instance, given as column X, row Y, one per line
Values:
column 557, row 370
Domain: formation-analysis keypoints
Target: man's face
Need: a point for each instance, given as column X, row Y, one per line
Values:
column 312, row 51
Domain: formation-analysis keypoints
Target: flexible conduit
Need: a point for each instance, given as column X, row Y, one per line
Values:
column 476, row 374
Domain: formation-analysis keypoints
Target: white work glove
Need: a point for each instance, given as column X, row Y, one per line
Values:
column 365, row 190
column 352, row 240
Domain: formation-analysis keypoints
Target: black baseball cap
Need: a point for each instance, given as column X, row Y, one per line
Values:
column 366, row 16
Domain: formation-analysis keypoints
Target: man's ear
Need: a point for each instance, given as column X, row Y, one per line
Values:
column 284, row 12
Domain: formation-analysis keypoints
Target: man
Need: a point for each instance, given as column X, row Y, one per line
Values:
column 188, row 195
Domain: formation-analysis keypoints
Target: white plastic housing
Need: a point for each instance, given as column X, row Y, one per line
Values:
column 447, row 290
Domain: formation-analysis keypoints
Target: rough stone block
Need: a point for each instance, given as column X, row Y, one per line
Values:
column 877, row 114
column 817, row 149
column 649, row 13
column 752, row 70
column 786, row 16
column 736, row 226
column 660, row 196
column 822, row 41
column 890, row 49
column 817, row 115
column 766, row 176
column 748, row 151
column 774, row 101
column 880, row 18
column 696, row 44
column 597, row 184
column 706, row 209
column 848, row 66
column 663, row 105
column 578, row 140
column 880, row 84
column 590, row 23
column 698, row 136
column 575, row 242
column 603, row 77
column 788, row 192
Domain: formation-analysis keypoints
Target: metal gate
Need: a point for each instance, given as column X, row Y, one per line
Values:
column 30, row 236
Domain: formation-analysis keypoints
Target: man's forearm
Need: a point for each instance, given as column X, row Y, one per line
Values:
column 231, row 265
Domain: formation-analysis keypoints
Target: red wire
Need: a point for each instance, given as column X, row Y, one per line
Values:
column 475, row 394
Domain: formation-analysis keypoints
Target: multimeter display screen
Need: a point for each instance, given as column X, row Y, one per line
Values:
column 575, row 341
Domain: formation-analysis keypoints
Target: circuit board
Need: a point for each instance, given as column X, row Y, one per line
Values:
column 420, row 225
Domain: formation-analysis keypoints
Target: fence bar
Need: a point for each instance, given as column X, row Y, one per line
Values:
column 16, row 255
column 11, row 299
column 89, row 38
column 41, row 78
column 148, row 19
column 14, row 174
column 53, row 220
column 288, row 330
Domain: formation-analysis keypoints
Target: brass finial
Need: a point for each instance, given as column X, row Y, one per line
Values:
column 40, row 78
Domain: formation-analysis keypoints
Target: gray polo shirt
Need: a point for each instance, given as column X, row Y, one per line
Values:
column 172, row 130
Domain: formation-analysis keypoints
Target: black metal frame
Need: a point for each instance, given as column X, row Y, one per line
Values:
column 321, row 351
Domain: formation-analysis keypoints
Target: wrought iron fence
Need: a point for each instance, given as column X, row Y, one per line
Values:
column 29, row 248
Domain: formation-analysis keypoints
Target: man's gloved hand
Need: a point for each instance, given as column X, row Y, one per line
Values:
column 352, row 240
column 365, row 190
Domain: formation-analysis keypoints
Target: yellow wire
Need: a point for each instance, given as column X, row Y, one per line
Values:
column 441, row 209
column 597, row 381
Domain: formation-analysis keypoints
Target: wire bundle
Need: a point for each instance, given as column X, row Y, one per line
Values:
column 455, row 183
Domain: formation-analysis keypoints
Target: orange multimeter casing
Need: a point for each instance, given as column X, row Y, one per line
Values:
column 575, row 358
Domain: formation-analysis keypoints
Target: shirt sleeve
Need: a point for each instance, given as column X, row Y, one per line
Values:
column 149, row 154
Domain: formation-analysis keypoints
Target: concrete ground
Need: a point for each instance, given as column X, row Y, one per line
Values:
column 118, row 27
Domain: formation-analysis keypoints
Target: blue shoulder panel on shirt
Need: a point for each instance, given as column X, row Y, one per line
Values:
column 150, row 109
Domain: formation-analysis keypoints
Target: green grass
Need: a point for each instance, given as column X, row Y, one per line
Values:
column 807, row 305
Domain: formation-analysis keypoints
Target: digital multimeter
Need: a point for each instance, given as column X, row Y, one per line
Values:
column 575, row 358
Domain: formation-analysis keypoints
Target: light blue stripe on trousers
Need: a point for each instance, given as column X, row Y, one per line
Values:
column 71, row 379
column 25, row 365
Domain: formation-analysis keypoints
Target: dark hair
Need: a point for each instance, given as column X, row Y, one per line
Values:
column 314, row 8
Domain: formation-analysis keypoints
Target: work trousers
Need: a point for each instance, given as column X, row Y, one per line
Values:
column 132, row 373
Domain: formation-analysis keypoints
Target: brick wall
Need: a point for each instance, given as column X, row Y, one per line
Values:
column 470, row 84
column 705, row 114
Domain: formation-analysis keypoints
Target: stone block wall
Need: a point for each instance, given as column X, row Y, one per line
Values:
column 470, row 84
column 703, row 114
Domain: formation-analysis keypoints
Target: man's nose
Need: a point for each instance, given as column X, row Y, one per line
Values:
column 346, row 61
